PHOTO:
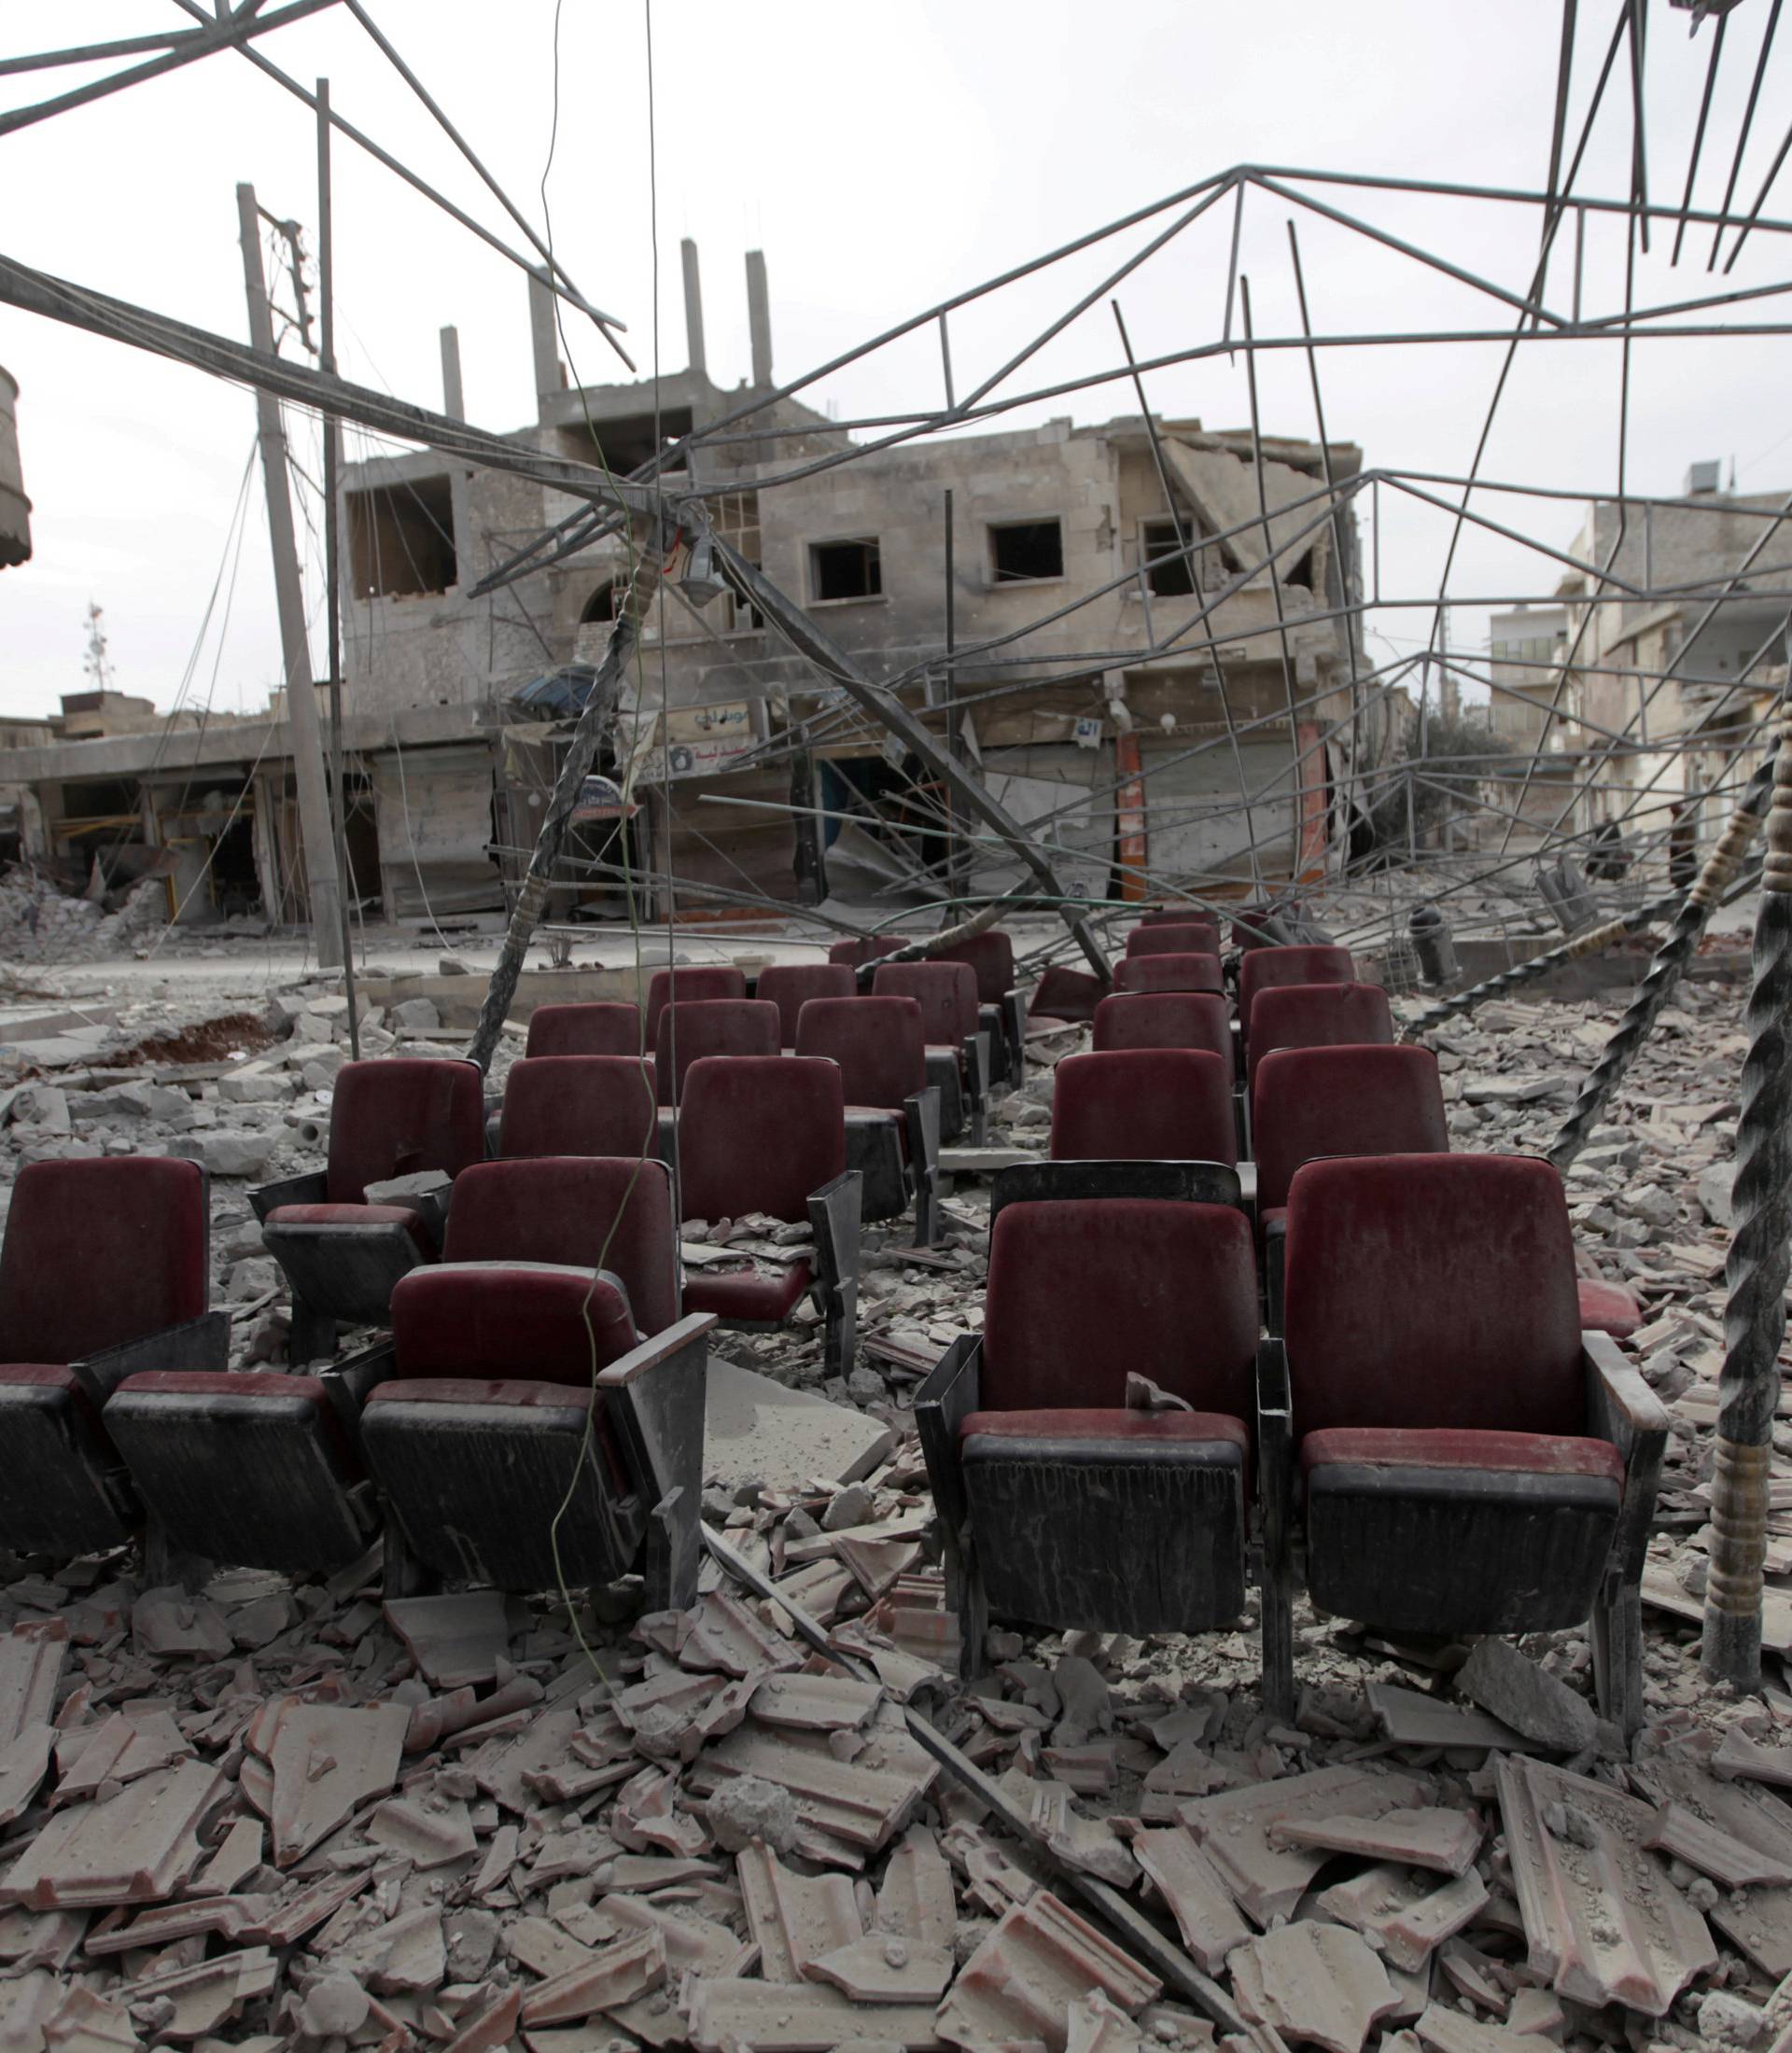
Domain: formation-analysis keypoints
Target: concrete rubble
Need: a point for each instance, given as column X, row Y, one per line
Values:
column 274, row 1814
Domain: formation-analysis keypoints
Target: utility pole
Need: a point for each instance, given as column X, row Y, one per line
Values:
column 301, row 706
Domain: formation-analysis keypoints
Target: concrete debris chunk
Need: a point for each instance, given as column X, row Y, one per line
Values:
column 1603, row 1923
column 1446, row 1840
column 133, row 1848
column 840, row 1807
column 457, row 1639
column 1541, row 1707
column 1315, row 1982
column 1020, row 1983
column 757, row 1430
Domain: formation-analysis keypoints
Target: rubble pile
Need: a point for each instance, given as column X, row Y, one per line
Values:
column 40, row 923
column 276, row 1813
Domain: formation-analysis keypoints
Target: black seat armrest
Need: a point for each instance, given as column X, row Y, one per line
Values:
column 1276, row 1501
column 944, row 1400
column 202, row 1344
column 312, row 1188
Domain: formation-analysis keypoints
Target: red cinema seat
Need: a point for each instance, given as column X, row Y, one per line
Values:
column 892, row 1108
column 768, row 1134
column 525, row 1437
column 393, row 1117
column 1178, row 973
column 790, row 987
column 580, row 1105
column 1058, row 1506
column 712, row 1026
column 1164, row 1019
column 1144, row 1104
column 990, row 955
column 1316, row 1016
column 1194, row 937
column 599, row 1028
column 958, row 1057
column 1260, row 969
column 105, row 1271
column 692, row 985
column 1463, row 1457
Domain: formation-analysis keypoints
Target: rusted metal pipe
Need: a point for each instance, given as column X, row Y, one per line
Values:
column 1755, row 1272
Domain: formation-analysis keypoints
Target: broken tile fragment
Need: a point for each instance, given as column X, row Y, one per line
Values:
column 809, row 2019
column 915, row 1898
column 1450, row 2032
column 1210, row 1924
column 612, row 1976
column 325, row 1762
column 456, row 1641
column 1731, row 1863
column 136, row 1847
column 430, row 1829
column 884, row 1968
column 1315, row 1982
column 1412, row 1718
column 793, row 1918
column 816, row 1703
column 30, row 1666
column 1741, row 1755
column 169, row 1622
column 1039, row 1960
column 23, row 1765
column 1402, row 1911
column 1444, row 1840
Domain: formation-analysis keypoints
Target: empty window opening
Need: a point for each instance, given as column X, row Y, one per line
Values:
column 1303, row 571
column 846, row 570
column 1174, row 577
column 601, row 606
column 401, row 539
column 1023, row 552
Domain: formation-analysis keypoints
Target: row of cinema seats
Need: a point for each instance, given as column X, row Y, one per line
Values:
column 557, row 1339
column 1373, row 1356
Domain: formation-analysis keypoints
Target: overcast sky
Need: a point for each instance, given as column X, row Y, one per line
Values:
column 884, row 157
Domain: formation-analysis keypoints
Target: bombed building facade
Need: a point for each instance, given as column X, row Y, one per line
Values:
column 748, row 773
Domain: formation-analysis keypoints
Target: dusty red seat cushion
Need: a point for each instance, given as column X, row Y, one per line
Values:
column 1405, row 1447
column 1142, row 1428
column 481, row 1321
column 753, row 1294
column 1607, row 1308
column 351, row 1215
column 252, row 1383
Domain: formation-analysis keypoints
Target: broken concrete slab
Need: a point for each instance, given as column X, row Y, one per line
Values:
column 1315, row 1982
column 757, row 1430
column 456, row 1641
column 1520, row 1694
column 1444, row 1840
column 1603, row 1921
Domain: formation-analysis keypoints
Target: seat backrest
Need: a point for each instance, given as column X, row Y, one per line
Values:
column 100, row 1252
column 878, row 1042
column 1317, row 1016
column 1195, row 938
column 1178, row 973
column 1164, row 1019
column 1342, row 1101
column 594, row 1029
column 759, row 1133
column 710, row 1026
column 1144, row 1104
column 401, row 1114
column 1264, row 967
column 502, row 1321
column 946, row 993
column 790, row 987
column 1251, row 927
column 991, row 957
column 1169, row 915
column 866, row 948
column 579, row 1105
column 1432, row 1290
column 1083, row 1290
column 1066, row 993
column 589, row 1212
column 689, row 984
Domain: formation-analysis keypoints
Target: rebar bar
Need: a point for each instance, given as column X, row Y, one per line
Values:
column 1755, row 1272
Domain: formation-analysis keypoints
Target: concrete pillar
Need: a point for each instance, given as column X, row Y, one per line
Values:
column 759, row 317
column 693, row 308
column 544, row 336
column 453, row 400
